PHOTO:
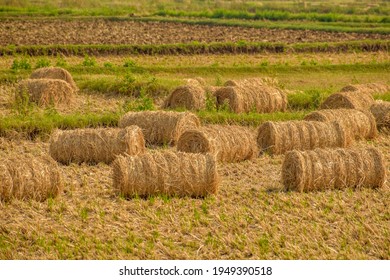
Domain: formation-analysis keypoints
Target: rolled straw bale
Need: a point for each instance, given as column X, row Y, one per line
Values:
column 54, row 73
column 361, row 123
column 350, row 100
column 370, row 88
column 322, row 169
column 161, row 127
column 280, row 137
column 29, row 177
column 246, row 98
column 198, row 81
column 46, row 91
column 265, row 81
column 96, row 145
column 381, row 111
column 227, row 143
column 191, row 97
column 169, row 173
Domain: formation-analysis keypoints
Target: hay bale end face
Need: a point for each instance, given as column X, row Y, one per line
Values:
column 161, row 127
column 54, row 73
column 227, row 143
column 350, row 100
column 165, row 173
column 281, row 137
column 29, row 177
column 190, row 97
column 324, row 169
column 361, row 123
column 46, row 92
column 246, row 97
column 96, row 145
column 381, row 111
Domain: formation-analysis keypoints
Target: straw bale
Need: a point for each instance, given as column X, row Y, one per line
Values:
column 381, row 111
column 265, row 81
column 361, row 123
column 54, row 73
column 29, row 177
column 245, row 98
column 198, row 81
column 280, row 137
column 165, row 173
column 370, row 88
column 190, row 97
column 46, row 91
column 227, row 143
column 161, row 127
column 96, row 145
column 359, row 100
column 323, row 169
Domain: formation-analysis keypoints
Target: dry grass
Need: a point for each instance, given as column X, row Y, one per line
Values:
column 227, row 143
column 165, row 173
column 161, row 127
column 96, row 145
column 54, row 73
column 280, row 137
column 361, row 123
column 46, row 91
column 323, row 169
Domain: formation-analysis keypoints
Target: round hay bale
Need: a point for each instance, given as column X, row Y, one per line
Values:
column 245, row 98
column 227, row 143
column 161, row 127
column 370, row 88
column 54, row 73
column 29, row 177
column 190, row 97
column 358, row 100
column 265, row 81
column 165, row 173
column 323, row 169
column 381, row 111
column 96, row 145
column 198, row 81
column 280, row 137
column 46, row 91
column 361, row 123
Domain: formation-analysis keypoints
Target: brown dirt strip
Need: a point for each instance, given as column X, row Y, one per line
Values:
column 100, row 31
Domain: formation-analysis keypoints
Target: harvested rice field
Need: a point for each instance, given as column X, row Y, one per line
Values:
column 113, row 168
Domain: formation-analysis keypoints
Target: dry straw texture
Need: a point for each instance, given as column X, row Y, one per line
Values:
column 361, row 123
column 46, row 91
column 190, row 97
column 227, row 143
column 370, row 88
column 166, row 173
column 29, row 177
column 280, row 137
column 161, row 127
column 381, row 111
column 323, row 169
column 350, row 100
column 265, row 81
column 54, row 73
column 251, row 95
column 96, row 145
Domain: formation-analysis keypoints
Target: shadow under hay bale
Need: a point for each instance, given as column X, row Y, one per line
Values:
column 361, row 123
column 370, row 88
column 324, row 169
column 54, row 73
column 381, row 111
column 96, row 145
column 29, row 177
column 227, row 143
column 46, row 92
column 165, row 173
column 350, row 100
column 190, row 97
column 280, row 137
column 252, row 97
column 161, row 127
